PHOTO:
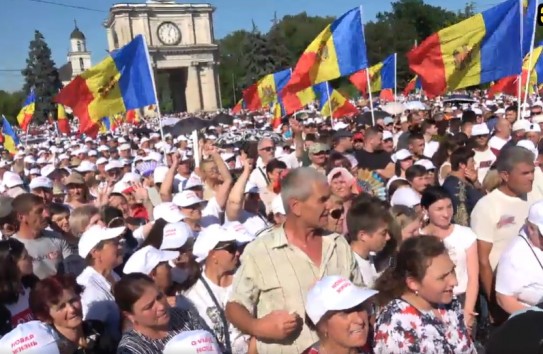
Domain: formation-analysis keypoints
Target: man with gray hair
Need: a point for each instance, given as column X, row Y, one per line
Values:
column 500, row 214
column 279, row 267
column 266, row 153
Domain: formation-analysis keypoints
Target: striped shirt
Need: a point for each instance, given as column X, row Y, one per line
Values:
column 134, row 342
column 275, row 275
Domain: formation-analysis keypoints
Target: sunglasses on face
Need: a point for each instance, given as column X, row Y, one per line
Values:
column 358, row 141
column 320, row 153
column 336, row 213
column 267, row 149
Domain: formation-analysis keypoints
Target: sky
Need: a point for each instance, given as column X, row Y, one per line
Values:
column 19, row 19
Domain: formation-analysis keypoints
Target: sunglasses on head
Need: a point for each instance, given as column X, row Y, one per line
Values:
column 230, row 247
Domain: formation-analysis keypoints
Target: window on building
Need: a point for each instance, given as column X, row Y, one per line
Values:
column 79, row 46
column 81, row 64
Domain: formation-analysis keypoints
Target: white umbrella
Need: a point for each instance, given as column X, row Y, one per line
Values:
column 394, row 108
column 415, row 106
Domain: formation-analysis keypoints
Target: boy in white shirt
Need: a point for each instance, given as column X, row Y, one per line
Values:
column 367, row 224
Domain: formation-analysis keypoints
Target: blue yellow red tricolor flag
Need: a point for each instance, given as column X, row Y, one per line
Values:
column 264, row 92
column 27, row 111
column 339, row 50
column 332, row 103
column 382, row 76
column 466, row 53
column 11, row 140
column 238, row 107
column 531, row 68
column 121, row 82
column 528, row 20
column 62, row 121
column 413, row 84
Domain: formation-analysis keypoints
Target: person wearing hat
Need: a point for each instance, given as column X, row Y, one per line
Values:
column 318, row 155
column 100, row 248
column 518, row 276
column 42, row 187
column 153, row 321
column 77, row 191
column 339, row 312
column 484, row 157
column 217, row 249
column 13, row 184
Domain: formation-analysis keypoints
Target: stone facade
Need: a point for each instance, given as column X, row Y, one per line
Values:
column 179, row 36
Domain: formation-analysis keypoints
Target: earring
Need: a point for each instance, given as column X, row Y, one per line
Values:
column 416, row 292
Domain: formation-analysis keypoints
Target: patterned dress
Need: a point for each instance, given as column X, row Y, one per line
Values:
column 401, row 328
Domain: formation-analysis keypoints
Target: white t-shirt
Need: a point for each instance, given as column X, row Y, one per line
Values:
column 457, row 244
column 496, row 219
column 367, row 269
column 430, row 148
column 519, row 273
column 211, row 214
column 483, row 161
column 497, row 143
column 537, row 187
column 20, row 311
column 209, row 312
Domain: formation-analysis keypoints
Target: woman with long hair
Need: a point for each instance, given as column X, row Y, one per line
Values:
column 16, row 281
column 461, row 245
column 420, row 313
column 153, row 321
column 443, row 153
column 56, row 301
column 77, row 191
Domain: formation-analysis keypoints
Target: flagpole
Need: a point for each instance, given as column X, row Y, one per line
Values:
column 367, row 71
column 154, row 87
column 529, row 63
column 329, row 101
column 519, row 95
column 395, row 76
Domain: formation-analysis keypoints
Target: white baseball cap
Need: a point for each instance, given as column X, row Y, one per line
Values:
column 193, row 181
column 401, row 155
column 47, row 170
column 211, row 236
column 529, row 145
column 480, row 129
column 41, row 182
column 192, row 342
column 427, row 164
column 159, row 174
column 101, row 161
column 387, row 135
column 85, row 166
column 146, row 259
column 175, row 235
column 533, row 128
column 334, row 293
column 535, row 215
column 113, row 164
column 537, row 118
column 168, row 211
column 32, row 337
column 521, row 124
column 12, row 179
column 94, row 235
column 186, row 198
column 124, row 147
column 244, row 235
column 405, row 196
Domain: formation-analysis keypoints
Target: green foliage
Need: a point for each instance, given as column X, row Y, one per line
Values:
column 10, row 104
column 41, row 74
column 247, row 56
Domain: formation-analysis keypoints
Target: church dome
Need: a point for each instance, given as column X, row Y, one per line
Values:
column 77, row 34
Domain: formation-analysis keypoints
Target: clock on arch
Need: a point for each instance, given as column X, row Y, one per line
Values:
column 168, row 33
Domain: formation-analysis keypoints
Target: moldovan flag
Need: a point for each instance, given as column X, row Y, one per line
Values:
column 11, row 140
column 413, row 84
column 25, row 115
column 62, row 120
column 480, row 49
column 332, row 103
column 121, row 82
column 238, row 107
column 132, row 117
column 534, row 70
column 339, row 50
column 264, row 92
column 382, row 76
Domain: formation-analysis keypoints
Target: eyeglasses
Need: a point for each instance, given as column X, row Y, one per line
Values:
column 267, row 149
column 336, row 213
column 319, row 153
column 358, row 141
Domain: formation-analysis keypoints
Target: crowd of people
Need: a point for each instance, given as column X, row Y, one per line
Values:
column 419, row 233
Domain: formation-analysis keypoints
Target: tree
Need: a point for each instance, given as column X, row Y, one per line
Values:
column 230, row 70
column 41, row 75
column 282, row 58
column 257, row 59
column 10, row 104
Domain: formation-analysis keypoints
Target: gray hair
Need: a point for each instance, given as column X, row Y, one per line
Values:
column 264, row 139
column 512, row 156
column 298, row 184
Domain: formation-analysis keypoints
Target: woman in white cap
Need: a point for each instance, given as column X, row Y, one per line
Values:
column 56, row 301
column 154, row 322
column 193, row 342
column 402, row 161
column 101, row 249
column 77, row 191
column 339, row 312
column 420, row 313
column 218, row 250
